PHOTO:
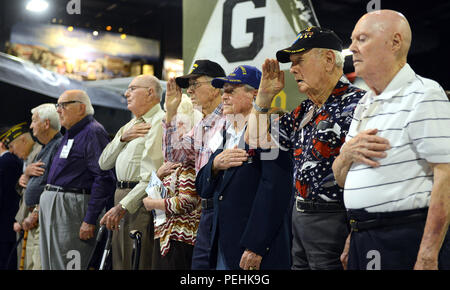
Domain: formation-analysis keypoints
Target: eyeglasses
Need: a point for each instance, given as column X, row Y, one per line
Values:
column 63, row 105
column 196, row 85
column 132, row 88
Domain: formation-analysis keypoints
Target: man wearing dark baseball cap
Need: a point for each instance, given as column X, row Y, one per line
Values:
column 195, row 145
column 251, row 195
column 314, row 133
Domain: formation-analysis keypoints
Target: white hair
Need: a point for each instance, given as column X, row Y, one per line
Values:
column 156, row 84
column 48, row 112
column 338, row 56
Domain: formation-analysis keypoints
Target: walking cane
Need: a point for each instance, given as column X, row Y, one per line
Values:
column 136, row 236
column 14, row 249
column 24, row 250
column 92, row 265
column 107, row 250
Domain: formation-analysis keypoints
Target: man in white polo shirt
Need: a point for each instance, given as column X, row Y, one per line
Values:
column 395, row 164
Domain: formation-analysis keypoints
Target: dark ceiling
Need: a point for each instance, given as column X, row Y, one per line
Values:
column 162, row 20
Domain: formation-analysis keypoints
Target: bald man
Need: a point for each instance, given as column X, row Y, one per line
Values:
column 135, row 152
column 77, row 190
column 395, row 163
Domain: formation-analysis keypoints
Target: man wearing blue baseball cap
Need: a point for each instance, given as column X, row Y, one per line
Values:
column 314, row 133
column 251, row 196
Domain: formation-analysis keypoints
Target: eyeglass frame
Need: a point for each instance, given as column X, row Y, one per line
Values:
column 63, row 105
column 195, row 85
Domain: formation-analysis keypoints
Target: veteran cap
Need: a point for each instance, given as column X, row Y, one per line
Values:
column 202, row 67
column 13, row 133
column 311, row 37
column 243, row 74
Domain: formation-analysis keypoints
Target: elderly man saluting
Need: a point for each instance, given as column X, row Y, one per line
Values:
column 314, row 133
column 77, row 189
column 395, row 163
column 136, row 152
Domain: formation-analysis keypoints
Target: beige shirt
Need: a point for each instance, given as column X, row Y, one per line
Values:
column 137, row 159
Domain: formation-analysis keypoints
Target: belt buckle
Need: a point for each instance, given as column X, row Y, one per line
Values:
column 353, row 225
column 297, row 200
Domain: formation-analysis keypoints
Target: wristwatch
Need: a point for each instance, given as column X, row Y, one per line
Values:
column 260, row 109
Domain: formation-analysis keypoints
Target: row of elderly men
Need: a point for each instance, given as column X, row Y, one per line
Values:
column 314, row 133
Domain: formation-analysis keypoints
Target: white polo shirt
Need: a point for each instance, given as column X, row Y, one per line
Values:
column 413, row 113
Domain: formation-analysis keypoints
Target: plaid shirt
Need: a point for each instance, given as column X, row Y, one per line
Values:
column 315, row 145
column 195, row 144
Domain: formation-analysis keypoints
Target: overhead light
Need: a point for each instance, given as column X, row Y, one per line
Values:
column 346, row 52
column 70, row 28
column 37, row 5
column 123, row 36
column 108, row 28
column 95, row 33
column 120, row 29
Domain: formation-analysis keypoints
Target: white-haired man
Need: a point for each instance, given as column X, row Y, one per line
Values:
column 135, row 152
column 77, row 190
column 45, row 127
column 314, row 132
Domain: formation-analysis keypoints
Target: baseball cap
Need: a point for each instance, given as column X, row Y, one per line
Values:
column 202, row 67
column 243, row 74
column 14, row 132
column 311, row 37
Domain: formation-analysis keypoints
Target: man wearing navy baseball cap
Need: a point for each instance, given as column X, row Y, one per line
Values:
column 314, row 133
column 251, row 196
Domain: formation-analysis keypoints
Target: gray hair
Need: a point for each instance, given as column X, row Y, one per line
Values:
column 156, row 84
column 338, row 57
column 48, row 112
column 83, row 97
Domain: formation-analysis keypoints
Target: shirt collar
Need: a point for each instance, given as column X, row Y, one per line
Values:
column 209, row 120
column 396, row 84
column 150, row 113
column 79, row 126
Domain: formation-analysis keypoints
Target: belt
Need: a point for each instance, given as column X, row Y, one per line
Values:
column 207, row 203
column 314, row 206
column 366, row 222
column 126, row 184
column 56, row 188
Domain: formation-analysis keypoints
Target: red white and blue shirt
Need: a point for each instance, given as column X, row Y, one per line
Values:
column 315, row 136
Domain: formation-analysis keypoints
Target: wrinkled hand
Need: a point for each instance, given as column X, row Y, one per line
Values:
column 86, row 231
column 23, row 180
column 272, row 82
column 112, row 217
column 17, row 227
column 365, row 146
column 229, row 158
column 426, row 264
column 166, row 169
column 344, row 255
column 138, row 130
column 250, row 260
column 173, row 98
column 35, row 169
column 31, row 221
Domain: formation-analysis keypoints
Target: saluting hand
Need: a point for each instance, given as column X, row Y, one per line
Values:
column 136, row 131
column 173, row 98
column 272, row 82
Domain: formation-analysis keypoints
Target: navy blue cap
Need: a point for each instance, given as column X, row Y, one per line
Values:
column 243, row 74
column 202, row 67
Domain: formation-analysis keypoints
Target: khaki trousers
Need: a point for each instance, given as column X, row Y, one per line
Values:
column 32, row 253
column 122, row 244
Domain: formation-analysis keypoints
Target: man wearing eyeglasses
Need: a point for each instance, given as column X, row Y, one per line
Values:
column 198, row 144
column 135, row 152
column 77, row 190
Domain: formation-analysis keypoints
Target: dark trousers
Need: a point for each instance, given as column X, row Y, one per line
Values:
column 318, row 239
column 179, row 256
column 392, row 247
column 202, row 247
column 5, row 250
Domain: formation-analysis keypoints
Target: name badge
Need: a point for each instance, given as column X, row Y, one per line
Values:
column 66, row 149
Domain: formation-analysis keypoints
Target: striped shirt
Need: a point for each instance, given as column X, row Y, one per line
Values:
column 183, row 209
column 413, row 114
column 194, row 145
